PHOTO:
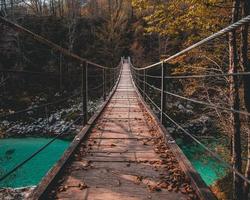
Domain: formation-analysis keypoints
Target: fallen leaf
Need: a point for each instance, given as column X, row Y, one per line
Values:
column 82, row 186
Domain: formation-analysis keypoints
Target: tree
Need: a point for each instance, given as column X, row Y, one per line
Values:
column 235, row 104
column 189, row 18
column 245, row 10
column 110, row 35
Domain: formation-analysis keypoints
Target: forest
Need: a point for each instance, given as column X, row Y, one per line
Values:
column 208, row 88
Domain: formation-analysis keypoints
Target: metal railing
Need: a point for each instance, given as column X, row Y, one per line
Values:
column 109, row 75
column 141, row 76
column 104, row 80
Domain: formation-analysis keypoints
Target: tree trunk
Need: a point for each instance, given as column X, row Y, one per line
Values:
column 40, row 7
column 52, row 7
column 109, row 5
column 243, row 56
column 4, row 5
column 12, row 9
column 62, row 8
column 245, row 66
column 235, row 104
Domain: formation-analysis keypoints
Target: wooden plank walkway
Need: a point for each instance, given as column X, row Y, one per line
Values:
column 125, row 157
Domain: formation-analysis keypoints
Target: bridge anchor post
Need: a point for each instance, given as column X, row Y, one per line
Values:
column 144, row 84
column 113, row 78
column 104, row 83
column 163, row 88
column 85, row 92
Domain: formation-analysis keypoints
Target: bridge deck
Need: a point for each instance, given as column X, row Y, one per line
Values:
column 125, row 156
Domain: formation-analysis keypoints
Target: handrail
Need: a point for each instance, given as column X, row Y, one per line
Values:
column 113, row 74
column 49, row 43
column 38, row 107
column 163, row 113
column 19, row 165
column 9, row 71
column 84, row 63
column 58, row 101
column 199, row 75
column 208, row 75
column 51, row 177
column 143, row 84
column 215, row 155
column 208, row 39
column 66, row 129
column 196, row 101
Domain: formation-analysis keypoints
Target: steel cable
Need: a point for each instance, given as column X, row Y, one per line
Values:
column 199, row 102
column 67, row 129
column 50, row 44
column 215, row 155
column 38, row 107
column 198, row 76
column 208, row 39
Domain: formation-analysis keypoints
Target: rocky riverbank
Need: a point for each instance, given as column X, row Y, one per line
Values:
column 52, row 125
column 200, row 125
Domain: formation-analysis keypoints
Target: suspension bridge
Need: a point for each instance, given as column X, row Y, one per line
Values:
column 124, row 151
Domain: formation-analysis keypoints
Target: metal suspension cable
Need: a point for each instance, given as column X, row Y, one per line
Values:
column 199, row 102
column 222, row 32
column 208, row 104
column 43, row 73
column 41, row 149
column 47, row 104
column 150, row 76
column 48, row 43
column 153, row 87
column 194, row 100
column 155, row 77
column 67, row 129
column 37, row 107
column 200, row 76
column 208, row 75
column 99, row 86
column 158, row 108
column 29, row 72
column 215, row 155
column 138, row 74
column 154, row 104
column 208, row 39
column 94, row 76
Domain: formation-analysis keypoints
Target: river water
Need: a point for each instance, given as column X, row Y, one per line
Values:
column 209, row 168
column 15, row 150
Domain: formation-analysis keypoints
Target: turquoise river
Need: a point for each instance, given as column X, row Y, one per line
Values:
column 15, row 150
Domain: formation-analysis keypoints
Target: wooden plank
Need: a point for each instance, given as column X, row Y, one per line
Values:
column 200, row 186
column 114, row 131
column 51, row 177
column 115, row 164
